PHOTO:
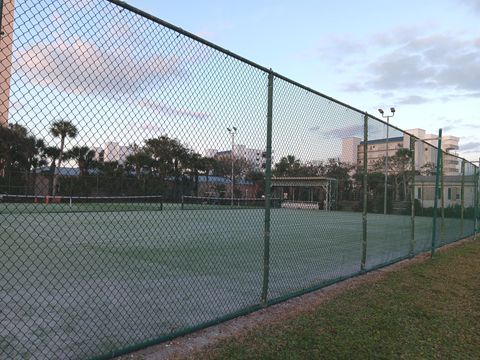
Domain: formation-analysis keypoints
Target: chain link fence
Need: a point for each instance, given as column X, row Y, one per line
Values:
column 152, row 183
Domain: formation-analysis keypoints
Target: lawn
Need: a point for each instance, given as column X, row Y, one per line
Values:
column 429, row 310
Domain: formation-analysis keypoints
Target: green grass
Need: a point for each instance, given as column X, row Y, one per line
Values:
column 430, row 310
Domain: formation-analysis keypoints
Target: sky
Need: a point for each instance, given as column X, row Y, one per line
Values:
column 423, row 57
column 123, row 78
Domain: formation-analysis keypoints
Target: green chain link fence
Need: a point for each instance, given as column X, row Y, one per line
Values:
column 153, row 183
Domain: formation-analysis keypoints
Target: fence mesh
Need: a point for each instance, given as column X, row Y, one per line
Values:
column 114, row 123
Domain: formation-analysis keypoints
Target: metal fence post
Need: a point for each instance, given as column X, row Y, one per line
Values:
column 268, row 195
column 365, row 193
column 412, row 198
column 442, row 200
column 462, row 198
column 476, row 203
column 436, row 192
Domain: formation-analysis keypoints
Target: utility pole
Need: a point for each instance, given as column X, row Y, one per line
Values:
column 232, row 132
column 392, row 109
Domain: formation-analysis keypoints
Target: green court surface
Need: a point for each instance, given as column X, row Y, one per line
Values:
column 102, row 280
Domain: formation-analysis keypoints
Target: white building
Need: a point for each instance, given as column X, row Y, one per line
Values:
column 352, row 150
column 112, row 151
column 256, row 157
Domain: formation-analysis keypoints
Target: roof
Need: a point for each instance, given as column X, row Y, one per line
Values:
column 64, row 171
column 223, row 180
column 469, row 180
column 303, row 178
column 384, row 140
column 301, row 181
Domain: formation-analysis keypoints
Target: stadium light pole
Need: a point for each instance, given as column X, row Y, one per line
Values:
column 232, row 132
column 392, row 109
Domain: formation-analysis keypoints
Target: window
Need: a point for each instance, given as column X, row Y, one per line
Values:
column 449, row 193
column 457, row 196
column 419, row 193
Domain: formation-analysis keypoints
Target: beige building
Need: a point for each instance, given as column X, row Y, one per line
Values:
column 352, row 150
column 452, row 190
column 6, row 42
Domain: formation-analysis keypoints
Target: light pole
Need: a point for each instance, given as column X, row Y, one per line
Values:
column 392, row 109
column 232, row 132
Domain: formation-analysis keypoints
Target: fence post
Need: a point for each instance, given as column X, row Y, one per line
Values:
column 442, row 200
column 412, row 198
column 462, row 199
column 365, row 193
column 268, row 195
column 476, row 203
column 436, row 192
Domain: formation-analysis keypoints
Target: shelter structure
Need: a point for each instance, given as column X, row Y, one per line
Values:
column 306, row 192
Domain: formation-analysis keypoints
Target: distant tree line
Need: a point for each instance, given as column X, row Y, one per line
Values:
column 164, row 166
column 160, row 166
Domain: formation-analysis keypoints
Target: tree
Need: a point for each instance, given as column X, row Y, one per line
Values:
column 19, row 153
column 291, row 166
column 84, row 156
column 287, row 166
column 402, row 172
column 334, row 168
column 61, row 129
column 169, row 157
column 12, row 148
column 52, row 153
column 139, row 160
column 196, row 164
column 399, row 171
column 428, row 169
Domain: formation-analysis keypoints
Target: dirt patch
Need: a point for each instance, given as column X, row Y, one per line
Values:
column 188, row 345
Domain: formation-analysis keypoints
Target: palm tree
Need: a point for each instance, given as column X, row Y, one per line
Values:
column 84, row 157
column 61, row 129
column 52, row 153
column 139, row 160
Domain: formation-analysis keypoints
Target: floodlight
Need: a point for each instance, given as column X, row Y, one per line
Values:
column 380, row 111
column 392, row 109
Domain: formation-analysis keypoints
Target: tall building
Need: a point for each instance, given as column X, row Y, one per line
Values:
column 256, row 157
column 352, row 150
column 6, row 42
column 112, row 151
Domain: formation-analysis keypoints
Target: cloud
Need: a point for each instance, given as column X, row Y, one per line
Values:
column 449, row 127
column 473, row 4
column 339, row 133
column 411, row 58
column 470, row 146
column 166, row 109
column 80, row 67
column 148, row 127
column 412, row 100
column 339, row 48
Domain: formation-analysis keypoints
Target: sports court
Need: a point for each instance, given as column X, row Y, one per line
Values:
column 72, row 267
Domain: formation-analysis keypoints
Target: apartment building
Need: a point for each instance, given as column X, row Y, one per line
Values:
column 352, row 150
column 256, row 157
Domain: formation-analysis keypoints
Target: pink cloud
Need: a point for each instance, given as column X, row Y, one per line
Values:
column 169, row 110
column 81, row 67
